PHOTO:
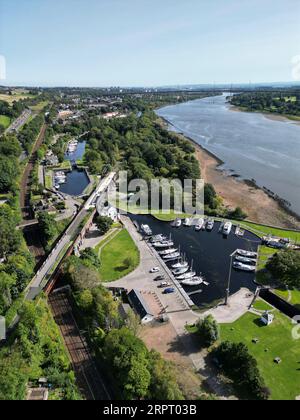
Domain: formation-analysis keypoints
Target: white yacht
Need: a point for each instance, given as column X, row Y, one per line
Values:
column 182, row 264
column 210, row 225
column 181, row 270
column 187, row 222
column 245, row 260
column 146, row 229
column 185, row 276
column 158, row 238
column 178, row 223
column 199, row 225
column 163, row 244
column 168, row 251
column 243, row 267
column 248, row 254
column 171, row 256
column 194, row 281
column 227, row 228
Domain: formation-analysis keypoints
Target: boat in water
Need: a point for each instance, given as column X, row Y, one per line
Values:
column 210, row 225
column 187, row 222
column 177, row 223
column 243, row 267
column 200, row 224
column 172, row 256
column 185, row 276
column 163, row 244
column 158, row 238
column 182, row 264
column 168, row 251
column 181, row 270
column 194, row 281
column 146, row 229
column 227, row 228
column 248, row 254
column 245, row 260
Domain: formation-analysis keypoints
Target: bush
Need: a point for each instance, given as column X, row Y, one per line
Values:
column 208, row 331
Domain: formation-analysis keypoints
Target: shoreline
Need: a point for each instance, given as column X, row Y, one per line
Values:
column 269, row 115
column 238, row 192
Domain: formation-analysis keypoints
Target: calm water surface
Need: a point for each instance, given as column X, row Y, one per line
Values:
column 251, row 144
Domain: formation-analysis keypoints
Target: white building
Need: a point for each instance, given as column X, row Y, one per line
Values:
column 267, row 318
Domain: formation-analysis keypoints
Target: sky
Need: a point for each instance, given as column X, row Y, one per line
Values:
column 148, row 42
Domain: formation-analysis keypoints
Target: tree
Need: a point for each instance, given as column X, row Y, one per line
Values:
column 8, row 173
column 163, row 385
column 48, row 227
column 90, row 257
column 210, row 196
column 11, row 238
column 208, row 330
column 285, row 266
column 238, row 214
column 128, row 262
column 103, row 223
column 128, row 357
column 240, row 366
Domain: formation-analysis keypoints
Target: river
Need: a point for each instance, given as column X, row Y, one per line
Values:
column 250, row 144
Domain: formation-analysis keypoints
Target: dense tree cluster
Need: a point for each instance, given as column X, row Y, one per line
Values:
column 285, row 102
column 10, row 151
column 48, row 228
column 37, row 351
column 285, row 267
column 238, row 365
column 29, row 133
column 138, row 373
column 208, row 331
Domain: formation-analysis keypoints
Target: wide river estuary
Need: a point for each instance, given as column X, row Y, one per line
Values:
column 250, row 144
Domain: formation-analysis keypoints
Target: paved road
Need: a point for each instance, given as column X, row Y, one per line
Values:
column 19, row 122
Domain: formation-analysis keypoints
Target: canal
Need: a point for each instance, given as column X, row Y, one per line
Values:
column 77, row 179
column 210, row 253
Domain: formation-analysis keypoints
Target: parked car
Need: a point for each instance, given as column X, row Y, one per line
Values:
column 164, row 284
column 154, row 270
column 169, row 290
column 158, row 278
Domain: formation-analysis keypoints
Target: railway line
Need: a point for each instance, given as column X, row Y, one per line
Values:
column 89, row 380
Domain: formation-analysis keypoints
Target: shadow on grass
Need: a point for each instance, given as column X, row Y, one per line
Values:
column 258, row 323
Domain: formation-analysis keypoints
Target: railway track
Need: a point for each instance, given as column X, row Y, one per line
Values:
column 88, row 377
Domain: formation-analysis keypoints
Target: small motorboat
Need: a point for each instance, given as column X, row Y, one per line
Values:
column 187, row 222
column 227, row 228
column 243, row 267
column 245, row 260
column 199, row 225
column 210, row 225
column 178, row 223
column 248, row 254
column 163, row 244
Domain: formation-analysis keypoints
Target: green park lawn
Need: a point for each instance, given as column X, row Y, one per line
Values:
column 283, row 379
column 4, row 121
column 114, row 254
column 262, row 305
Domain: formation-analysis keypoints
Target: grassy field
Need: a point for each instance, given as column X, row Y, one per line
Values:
column 39, row 107
column 274, row 341
column 4, row 121
column 261, row 305
column 15, row 97
column 114, row 254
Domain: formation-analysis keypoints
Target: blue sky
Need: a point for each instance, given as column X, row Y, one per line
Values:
column 148, row 42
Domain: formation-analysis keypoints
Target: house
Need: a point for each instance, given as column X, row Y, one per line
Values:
column 139, row 305
column 267, row 318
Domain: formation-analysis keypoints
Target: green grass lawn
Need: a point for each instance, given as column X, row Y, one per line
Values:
column 4, row 121
column 40, row 106
column 283, row 379
column 261, row 305
column 113, row 255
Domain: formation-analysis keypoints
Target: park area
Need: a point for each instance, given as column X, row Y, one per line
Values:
column 4, row 121
column 118, row 255
column 274, row 341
